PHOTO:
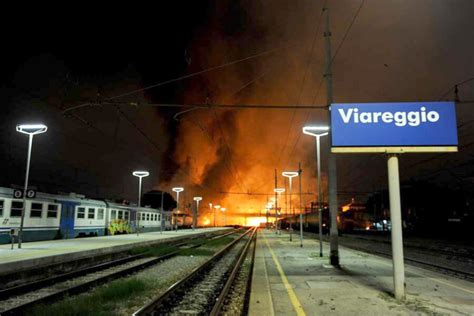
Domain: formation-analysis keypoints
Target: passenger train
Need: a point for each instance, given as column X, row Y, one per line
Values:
column 51, row 216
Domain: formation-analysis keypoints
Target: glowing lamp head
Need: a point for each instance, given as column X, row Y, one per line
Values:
column 197, row 198
column 223, row 209
column 31, row 129
column 289, row 174
column 217, row 206
column 178, row 189
column 141, row 174
column 316, row 131
column 279, row 190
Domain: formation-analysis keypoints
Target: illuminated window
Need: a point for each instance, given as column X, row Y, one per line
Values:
column 100, row 213
column 81, row 212
column 2, row 203
column 52, row 210
column 91, row 213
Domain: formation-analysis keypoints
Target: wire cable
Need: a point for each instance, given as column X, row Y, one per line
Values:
column 301, row 86
column 331, row 63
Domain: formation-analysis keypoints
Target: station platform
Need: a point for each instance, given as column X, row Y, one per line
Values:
column 290, row 280
column 43, row 253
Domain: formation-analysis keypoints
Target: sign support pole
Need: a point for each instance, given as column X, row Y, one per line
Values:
column 396, row 219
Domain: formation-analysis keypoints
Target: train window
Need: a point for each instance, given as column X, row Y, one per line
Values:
column 91, row 213
column 100, row 213
column 36, row 210
column 156, row 217
column 148, row 216
column 81, row 212
column 16, row 208
column 52, row 210
column 143, row 216
column 2, row 203
column 120, row 214
column 125, row 215
column 113, row 214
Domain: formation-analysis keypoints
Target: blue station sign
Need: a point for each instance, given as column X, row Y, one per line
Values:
column 394, row 127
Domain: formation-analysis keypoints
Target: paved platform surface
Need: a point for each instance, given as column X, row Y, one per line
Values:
column 290, row 280
column 33, row 254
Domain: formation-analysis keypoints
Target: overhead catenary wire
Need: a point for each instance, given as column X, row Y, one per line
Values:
column 346, row 33
column 300, row 92
column 194, row 74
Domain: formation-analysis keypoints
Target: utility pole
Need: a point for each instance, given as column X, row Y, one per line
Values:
column 161, row 215
column 276, row 204
column 301, row 213
column 332, row 169
column 266, row 225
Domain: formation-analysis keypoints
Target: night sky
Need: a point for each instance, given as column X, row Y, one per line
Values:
column 54, row 58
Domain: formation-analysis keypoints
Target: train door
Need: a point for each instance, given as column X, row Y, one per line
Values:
column 66, row 225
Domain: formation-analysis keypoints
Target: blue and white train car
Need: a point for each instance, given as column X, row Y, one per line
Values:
column 41, row 220
column 64, row 216
column 81, row 217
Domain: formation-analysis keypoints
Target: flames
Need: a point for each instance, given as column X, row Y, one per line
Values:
column 225, row 154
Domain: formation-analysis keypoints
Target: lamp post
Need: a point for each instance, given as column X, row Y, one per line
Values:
column 177, row 190
column 318, row 132
column 225, row 219
column 210, row 209
column 140, row 175
column 279, row 191
column 216, row 207
column 31, row 130
column 290, row 175
column 196, row 211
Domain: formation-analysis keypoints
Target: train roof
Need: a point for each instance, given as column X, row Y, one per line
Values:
column 76, row 198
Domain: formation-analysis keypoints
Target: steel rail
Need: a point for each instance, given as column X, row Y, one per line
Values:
column 231, row 278
column 80, row 288
column 149, row 308
column 433, row 265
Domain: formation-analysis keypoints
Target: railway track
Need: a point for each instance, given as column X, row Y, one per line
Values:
column 19, row 299
column 466, row 254
column 205, row 291
column 433, row 266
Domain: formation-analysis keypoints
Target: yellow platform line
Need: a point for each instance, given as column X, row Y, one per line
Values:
column 291, row 294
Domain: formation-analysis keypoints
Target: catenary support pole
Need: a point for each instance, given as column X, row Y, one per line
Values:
column 161, row 215
column 332, row 170
column 396, row 219
column 301, row 208
column 276, row 204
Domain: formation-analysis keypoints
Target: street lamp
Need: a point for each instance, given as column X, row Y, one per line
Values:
column 318, row 132
column 195, row 213
column 177, row 190
column 225, row 219
column 216, row 207
column 210, row 209
column 140, row 175
column 31, row 130
column 279, row 191
column 290, row 175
